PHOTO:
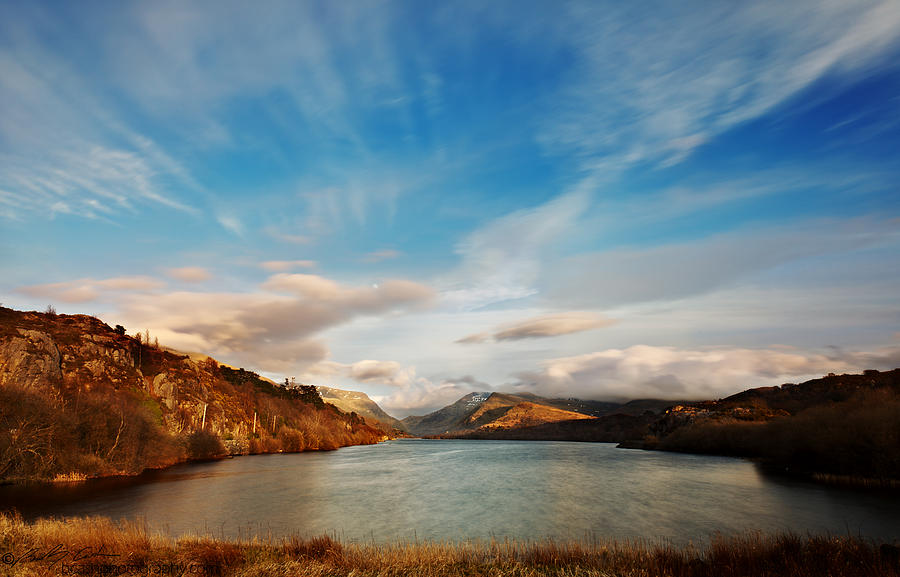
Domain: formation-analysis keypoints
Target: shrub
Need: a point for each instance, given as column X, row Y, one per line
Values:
column 204, row 445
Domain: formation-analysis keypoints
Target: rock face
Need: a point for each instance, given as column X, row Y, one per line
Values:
column 69, row 363
column 30, row 358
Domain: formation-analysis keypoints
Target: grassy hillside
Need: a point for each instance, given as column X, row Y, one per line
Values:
column 608, row 429
column 81, row 399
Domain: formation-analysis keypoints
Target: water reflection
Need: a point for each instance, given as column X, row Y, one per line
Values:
column 456, row 490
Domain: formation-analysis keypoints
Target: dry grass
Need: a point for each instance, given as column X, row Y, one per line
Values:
column 96, row 546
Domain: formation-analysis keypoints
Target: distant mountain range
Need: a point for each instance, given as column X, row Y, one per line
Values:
column 498, row 415
column 838, row 427
column 359, row 403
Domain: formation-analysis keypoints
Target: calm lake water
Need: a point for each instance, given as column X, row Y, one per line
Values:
column 459, row 490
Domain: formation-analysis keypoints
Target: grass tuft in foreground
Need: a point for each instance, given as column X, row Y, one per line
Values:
column 97, row 546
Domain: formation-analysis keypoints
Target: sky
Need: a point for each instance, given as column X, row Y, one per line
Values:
column 604, row 200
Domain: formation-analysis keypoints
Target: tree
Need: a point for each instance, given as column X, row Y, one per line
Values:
column 120, row 330
column 140, row 339
column 51, row 310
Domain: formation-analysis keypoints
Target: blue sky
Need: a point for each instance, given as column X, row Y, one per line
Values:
column 605, row 200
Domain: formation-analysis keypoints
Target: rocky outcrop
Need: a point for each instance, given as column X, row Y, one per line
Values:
column 30, row 359
column 111, row 394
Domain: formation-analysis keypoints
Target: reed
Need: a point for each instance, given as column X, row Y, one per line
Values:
column 98, row 546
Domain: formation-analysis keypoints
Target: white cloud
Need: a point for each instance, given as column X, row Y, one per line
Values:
column 423, row 396
column 373, row 371
column 189, row 274
column 676, row 373
column 266, row 329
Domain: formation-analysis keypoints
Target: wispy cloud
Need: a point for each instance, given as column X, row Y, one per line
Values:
column 87, row 289
column 231, row 223
column 502, row 260
column 677, row 270
column 61, row 145
column 654, row 83
column 380, row 255
column 550, row 325
column 96, row 182
column 288, row 237
column 286, row 265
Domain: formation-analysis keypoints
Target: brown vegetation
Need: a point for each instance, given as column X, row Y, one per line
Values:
column 44, row 435
column 857, row 437
column 97, row 546
column 606, row 429
column 79, row 399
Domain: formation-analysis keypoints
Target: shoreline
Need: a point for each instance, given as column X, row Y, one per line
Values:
column 817, row 477
column 72, row 478
column 98, row 546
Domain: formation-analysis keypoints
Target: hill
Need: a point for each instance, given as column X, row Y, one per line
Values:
column 359, row 403
column 839, row 425
column 80, row 399
column 488, row 412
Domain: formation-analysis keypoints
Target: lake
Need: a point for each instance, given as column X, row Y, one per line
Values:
column 460, row 490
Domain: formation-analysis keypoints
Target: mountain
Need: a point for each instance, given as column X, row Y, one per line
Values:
column 489, row 411
column 446, row 419
column 614, row 428
column 81, row 399
column 359, row 403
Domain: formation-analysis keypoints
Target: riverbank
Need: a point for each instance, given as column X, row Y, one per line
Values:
column 72, row 478
column 97, row 546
